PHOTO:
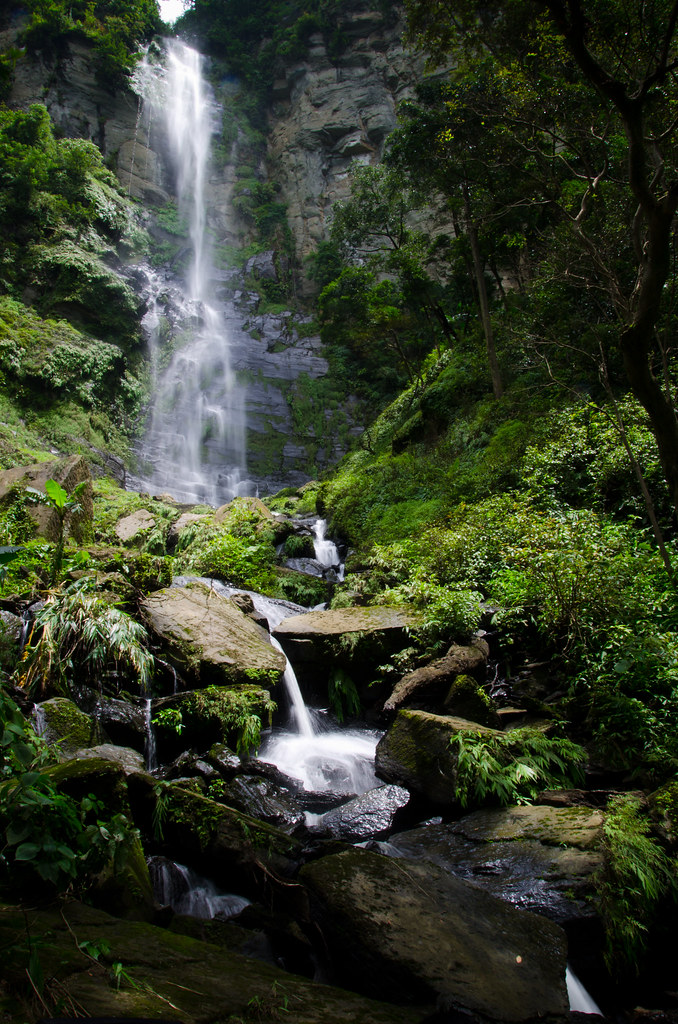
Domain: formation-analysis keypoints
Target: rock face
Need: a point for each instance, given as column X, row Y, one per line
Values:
column 409, row 931
column 210, row 640
column 416, row 753
column 369, row 816
column 332, row 110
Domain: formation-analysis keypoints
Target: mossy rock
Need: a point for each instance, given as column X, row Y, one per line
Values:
column 416, row 753
column 209, row 640
column 166, row 975
column 467, row 699
column 65, row 727
column 239, row 852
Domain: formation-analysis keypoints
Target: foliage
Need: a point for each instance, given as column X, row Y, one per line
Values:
column 343, row 695
column 46, row 833
column 78, row 637
column 514, row 767
column 114, row 28
column 64, row 506
column 239, row 712
column 237, row 551
column 636, row 875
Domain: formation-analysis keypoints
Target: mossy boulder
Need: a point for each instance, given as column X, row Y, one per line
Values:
column 168, row 976
column 65, row 727
column 123, row 884
column 215, row 714
column 208, row 639
column 239, row 852
column 416, row 753
column 467, row 699
column 412, row 932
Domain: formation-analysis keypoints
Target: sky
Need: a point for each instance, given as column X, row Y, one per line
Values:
column 171, row 9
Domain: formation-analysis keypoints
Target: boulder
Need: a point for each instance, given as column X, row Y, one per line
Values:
column 368, row 816
column 182, row 523
column 538, row 858
column 411, row 932
column 174, row 977
column 129, row 761
column 354, row 639
column 430, row 683
column 201, row 718
column 263, row 799
column 64, row 727
column 208, row 639
column 234, row 849
column 133, row 528
column 123, row 722
column 11, row 633
column 68, row 473
column 416, row 753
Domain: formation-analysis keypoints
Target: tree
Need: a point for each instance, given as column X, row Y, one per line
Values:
column 589, row 101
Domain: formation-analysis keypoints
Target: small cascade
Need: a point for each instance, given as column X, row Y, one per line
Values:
column 179, row 887
column 39, row 721
column 194, row 443
column 580, row 1000
column 326, row 552
column 336, row 760
column 150, row 752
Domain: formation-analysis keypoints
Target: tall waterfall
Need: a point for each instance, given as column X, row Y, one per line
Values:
column 194, row 443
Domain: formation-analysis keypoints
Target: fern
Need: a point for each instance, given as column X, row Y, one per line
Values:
column 636, row 875
column 515, row 766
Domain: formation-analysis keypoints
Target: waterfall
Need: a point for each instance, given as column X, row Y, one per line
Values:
column 580, row 1000
column 321, row 759
column 194, row 443
column 179, row 887
column 151, row 755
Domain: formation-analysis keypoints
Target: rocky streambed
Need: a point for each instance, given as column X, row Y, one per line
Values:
column 321, row 871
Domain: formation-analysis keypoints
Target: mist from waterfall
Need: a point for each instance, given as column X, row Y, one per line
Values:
column 194, row 443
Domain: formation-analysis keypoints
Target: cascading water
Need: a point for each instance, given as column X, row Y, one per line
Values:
column 186, row 892
column 194, row 444
column 321, row 759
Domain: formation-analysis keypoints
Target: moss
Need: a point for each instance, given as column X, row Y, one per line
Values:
column 67, row 726
column 467, row 699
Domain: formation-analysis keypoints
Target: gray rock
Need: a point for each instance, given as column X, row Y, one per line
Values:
column 538, row 858
column 208, row 639
column 367, row 816
column 65, row 727
column 134, row 527
column 68, row 473
column 409, row 931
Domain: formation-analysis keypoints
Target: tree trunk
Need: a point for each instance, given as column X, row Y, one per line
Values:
column 481, row 287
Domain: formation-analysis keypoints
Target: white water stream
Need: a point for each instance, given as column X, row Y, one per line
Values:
column 320, row 759
column 194, row 442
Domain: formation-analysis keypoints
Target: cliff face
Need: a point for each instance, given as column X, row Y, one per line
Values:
column 325, row 114
column 328, row 113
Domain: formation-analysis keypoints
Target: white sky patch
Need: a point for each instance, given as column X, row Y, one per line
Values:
column 170, row 10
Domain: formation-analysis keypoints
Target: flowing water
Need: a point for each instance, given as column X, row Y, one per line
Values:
column 194, row 442
column 186, row 892
column 320, row 757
